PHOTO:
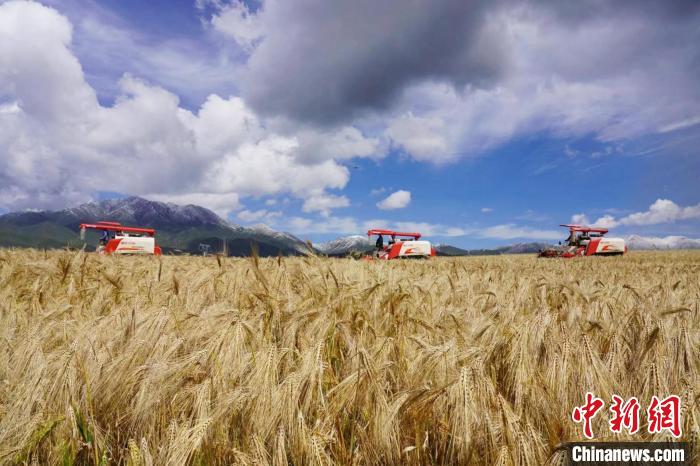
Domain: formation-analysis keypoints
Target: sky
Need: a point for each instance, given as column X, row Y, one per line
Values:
column 477, row 123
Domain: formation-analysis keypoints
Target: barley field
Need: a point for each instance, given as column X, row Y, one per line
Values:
column 192, row 360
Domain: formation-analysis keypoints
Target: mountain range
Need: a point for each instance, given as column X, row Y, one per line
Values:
column 668, row 242
column 183, row 229
column 179, row 228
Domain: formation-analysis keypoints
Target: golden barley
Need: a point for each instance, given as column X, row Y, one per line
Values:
column 317, row 361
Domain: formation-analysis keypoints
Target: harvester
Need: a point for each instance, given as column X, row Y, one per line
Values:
column 119, row 239
column 586, row 241
column 401, row 245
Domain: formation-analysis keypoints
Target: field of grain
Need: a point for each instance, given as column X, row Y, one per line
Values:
column 191, row 360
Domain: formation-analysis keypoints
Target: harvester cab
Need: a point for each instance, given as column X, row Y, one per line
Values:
column 401, row 245
column 586, row 241
column 119, row 239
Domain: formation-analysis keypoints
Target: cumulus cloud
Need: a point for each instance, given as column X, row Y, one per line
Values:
column 661, row 211
column 396, row 200
column 580, row 219
column 236, row 20
column 486, row 210
column 257, row 216
column 326, row 61
column 60, row 144
column 323, row 203
column 450, row 79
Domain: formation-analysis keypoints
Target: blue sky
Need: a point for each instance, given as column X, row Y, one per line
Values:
column 493, row 124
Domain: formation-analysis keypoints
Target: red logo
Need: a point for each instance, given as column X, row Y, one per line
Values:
column 661, row 414
column 587, row 412
column 624, row 415
column 665, row 415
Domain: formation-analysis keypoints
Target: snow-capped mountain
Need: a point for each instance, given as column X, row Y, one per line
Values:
column 136, row 210
column 345, row 245
column 668, row 242
column 264, row 230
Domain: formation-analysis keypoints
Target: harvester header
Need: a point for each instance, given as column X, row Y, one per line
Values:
column 115, row 226
column 585, row 229
column 394, row 234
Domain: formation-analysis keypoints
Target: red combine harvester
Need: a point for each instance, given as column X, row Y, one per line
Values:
column 586, row 241
column 119, row 239
column 401, row 245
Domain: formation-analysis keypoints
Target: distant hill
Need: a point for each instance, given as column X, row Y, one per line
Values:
column 179, row 228
column 447, row 250
column 518, row 248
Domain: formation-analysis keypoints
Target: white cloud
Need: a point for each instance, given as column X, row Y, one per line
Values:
column 12, row 107
column 569, row 152
column 237, row 21
column 257, row 216
column 342, row 143
column 661, row 211
column 60, row 144
column 611, row 91
column 580, row 219
column 511, row 231
column 486, row 210
column 606, row 221
column 425, row 138
column 323, row 203
column 108, row 45
column 681, row 124
column 396, row 200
